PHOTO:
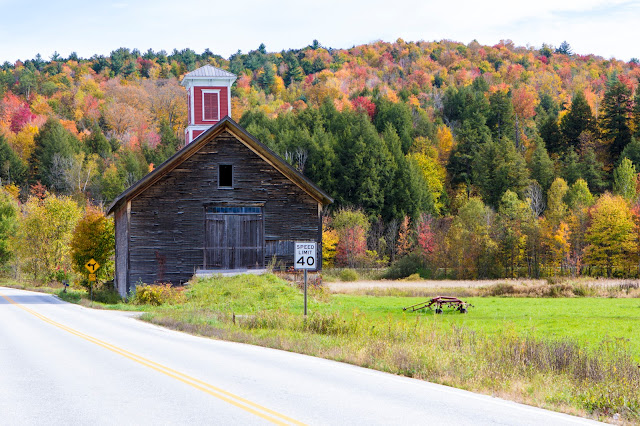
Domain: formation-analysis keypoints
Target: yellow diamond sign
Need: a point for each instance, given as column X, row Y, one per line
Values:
column 92, row 266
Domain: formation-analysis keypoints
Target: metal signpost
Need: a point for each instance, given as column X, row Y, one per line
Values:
column 305, row 259
column 92, row 266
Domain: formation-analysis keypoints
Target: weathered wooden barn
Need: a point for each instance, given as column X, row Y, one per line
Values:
column 223, row 202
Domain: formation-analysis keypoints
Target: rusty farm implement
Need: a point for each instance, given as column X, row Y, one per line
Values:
column 439, row 302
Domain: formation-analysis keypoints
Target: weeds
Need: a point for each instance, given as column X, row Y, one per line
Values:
column 158, row 294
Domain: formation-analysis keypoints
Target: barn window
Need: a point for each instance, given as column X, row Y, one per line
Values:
column 210, row 105
column 225, row 176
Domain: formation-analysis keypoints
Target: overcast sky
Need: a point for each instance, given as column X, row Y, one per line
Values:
column 605, row 28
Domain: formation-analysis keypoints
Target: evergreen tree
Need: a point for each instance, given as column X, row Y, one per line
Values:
column 577, row 120
column 97, row 143
column 635, row 117
column 499, row 167
column 541, row 167
column 12, row 169
column 550, row 133
column 8, row 222
column 501, row 116
column 399, row 116
column 53, row 146
column 616, row 117
column 632, row 152
column 571, row 167
column 472, row 135
column 592, row 170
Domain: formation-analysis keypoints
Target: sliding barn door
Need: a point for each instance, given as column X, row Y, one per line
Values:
column 234, row 241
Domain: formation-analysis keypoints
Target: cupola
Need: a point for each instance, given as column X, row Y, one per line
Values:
column 208, row 98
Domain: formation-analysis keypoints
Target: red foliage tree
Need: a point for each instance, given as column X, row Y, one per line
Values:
column 352, row 246
column 20, row 118
column 426, row 236
column 364, row 104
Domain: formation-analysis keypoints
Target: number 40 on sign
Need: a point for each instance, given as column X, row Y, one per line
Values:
column 305, row 255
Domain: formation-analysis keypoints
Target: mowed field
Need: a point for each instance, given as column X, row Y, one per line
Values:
column 588, row 321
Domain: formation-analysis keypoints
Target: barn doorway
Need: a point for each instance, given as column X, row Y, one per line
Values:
column 234, row 238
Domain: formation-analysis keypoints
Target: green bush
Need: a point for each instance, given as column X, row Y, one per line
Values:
column 107, row 296
column 348, row 275
column 404, row 267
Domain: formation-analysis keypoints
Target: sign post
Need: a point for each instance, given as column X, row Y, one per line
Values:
column 92, row 266
column 305, row 259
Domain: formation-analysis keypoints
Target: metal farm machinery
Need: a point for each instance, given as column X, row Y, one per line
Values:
column 439, row 302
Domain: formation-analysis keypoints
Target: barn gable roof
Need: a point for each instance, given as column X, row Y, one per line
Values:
column 245, row 138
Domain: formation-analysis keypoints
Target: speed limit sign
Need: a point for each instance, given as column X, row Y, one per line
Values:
column 305, row 255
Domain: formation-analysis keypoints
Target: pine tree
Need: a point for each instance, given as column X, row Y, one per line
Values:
column 577, row 120
column 616, row 117
column 550, row 133
column 542, row 169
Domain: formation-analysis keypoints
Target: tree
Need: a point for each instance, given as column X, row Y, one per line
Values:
column 616, row 117
column 93, row 238
column 426, row 237
column 352, row 226
column 472, row 248
column 556, row 207
column 498, row 167
column 43, row 235
column 612, row 242
column 12, row 169
column 53, row 142
column 592, row 170
column 579, row 200
column 577, row 120
column 564, row 49
column 501, row 116
column 541, row 166
column 512, row 214
column 550, row 134
column 8, row 224
column 625, row 180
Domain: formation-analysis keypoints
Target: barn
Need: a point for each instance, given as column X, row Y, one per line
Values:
column 224, row 202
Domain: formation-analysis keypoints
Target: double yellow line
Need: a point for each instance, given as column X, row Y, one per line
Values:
column 246, row 405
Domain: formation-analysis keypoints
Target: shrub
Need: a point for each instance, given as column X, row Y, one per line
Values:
column 405, row 266
column 348, row 275
column 157, row 294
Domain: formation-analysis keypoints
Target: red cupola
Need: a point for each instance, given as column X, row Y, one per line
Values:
column 209, row 98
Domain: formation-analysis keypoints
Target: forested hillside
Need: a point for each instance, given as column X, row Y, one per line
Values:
column 444, row 159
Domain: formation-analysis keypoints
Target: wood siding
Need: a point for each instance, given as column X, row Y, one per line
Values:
column 122, row 249
column 167, row 223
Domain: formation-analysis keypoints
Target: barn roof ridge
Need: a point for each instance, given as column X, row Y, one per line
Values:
column 245, row 137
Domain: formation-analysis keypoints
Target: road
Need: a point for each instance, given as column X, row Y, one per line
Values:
column 66, row 364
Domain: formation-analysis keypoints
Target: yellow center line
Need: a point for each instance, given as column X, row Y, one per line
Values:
column 217, row 392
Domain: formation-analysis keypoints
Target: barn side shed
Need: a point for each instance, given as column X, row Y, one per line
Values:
column 223, row 202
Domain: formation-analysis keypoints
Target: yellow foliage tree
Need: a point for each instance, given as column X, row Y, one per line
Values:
column 611, row 237
column 93, row 238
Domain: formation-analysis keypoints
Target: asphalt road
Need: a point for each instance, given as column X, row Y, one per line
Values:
column 66, row 364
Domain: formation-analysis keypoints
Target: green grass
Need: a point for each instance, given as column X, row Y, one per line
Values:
column 588, row 321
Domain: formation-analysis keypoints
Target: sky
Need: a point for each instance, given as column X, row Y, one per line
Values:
column 607, row 28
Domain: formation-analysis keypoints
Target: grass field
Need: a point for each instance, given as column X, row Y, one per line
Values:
column 588, row 321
